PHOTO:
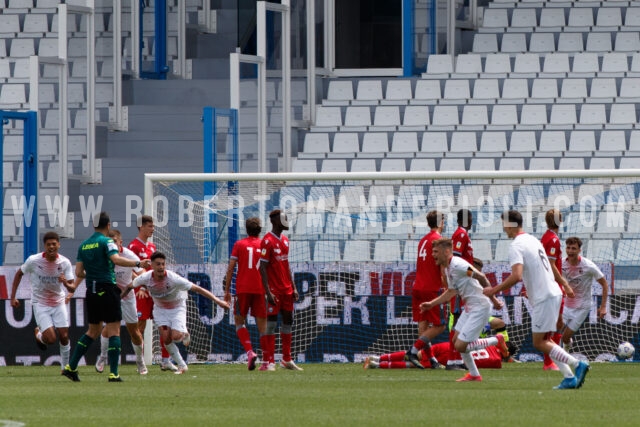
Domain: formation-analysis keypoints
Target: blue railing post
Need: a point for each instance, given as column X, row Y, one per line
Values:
column 408, row 18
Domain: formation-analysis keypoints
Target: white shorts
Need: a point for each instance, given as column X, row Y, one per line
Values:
column 47, row 317
column 174, row 318
column 544, row 317
column 129, row 310
column 574, row 317
column 471, row 323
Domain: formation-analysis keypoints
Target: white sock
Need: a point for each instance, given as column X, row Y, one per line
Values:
column 137, row 349
column 39, row 337
column 471, row 364
column 65, row 350
column 558, row 354
column 175, row 353
column 482, row 343
column 104, row 346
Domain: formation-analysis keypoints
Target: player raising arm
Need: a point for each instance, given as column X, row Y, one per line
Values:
column 580, row 272
column 464, row 280
column 169, row 293
column 49, row 273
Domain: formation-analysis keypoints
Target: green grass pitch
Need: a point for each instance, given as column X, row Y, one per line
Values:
column 322, row 395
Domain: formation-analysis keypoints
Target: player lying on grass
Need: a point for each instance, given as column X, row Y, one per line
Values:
column 169, row 293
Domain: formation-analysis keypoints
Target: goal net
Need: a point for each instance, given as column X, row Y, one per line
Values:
column 353, row 247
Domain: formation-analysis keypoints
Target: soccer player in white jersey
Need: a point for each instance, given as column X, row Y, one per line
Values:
column 124, row 276
column 530, row 264
column 580, row 272
column 49, row 274
column 465, row 281
column 169, row 293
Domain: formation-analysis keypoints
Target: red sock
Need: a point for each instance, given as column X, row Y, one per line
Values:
column 286, row 346
column 393, row 365
column 272, row 348
column 245, row 338
column 556, row 337
column 264, row 345
column 453, row 355
column 163, row 350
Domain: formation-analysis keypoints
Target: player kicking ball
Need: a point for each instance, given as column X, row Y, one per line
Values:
column 169, row 293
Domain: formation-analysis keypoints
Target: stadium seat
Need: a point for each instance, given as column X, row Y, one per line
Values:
column 356, row 250
column 482, row 249
column 511, row 164
column 589, row 192
column 368, row 226
column 471, row 195
column 502, row 250
column 13, row 253
column 580, row 18
column 599, row 42
column 485, row 91
column 468, row 64
column 556, row 63
column 300, row 165
column 563, row 115
column 404, row 142
column 340, row 92
column 495, row 20
column 573, row 90
column 599, row 250
column 492, row 144
column 345, row 142
column 623, row 114
column 498, row 64
column 593, row 114
column 515, row 89
column 398, row 92
column 412, row 195
column 504, row 116
column 363, row 165
column 463, row 143
column 316, row 145
column 614, row 63
column 12, row 96
column 427, row 92
column 292, row 193
column 552, row 143
column 322, row 195
column 422, row 165
column 633, row 223
column 357, row 118
column 602, row 163
column 522, row 142
column 570, row 42
column 610, row 220
column 475, row 116
column 502, row 195
column 326, row 251
column 439, row 66
column 544, row 90
column 524, row 18
column 9, row 25
column 350, row 197
column 393, row 165
column 609, row 17
column 369, row 92
column 416, row 117
column 485, row 43
column 434, row 144
column 527, row 64
column 375, row 144
column 386, row 118
column 379, row 194
column 627, row 42
column 513, row 43
column 541, row 163
column 603, row 89
column 328, row 117
column 456, row 90
column 339, row 225
column 552, row 19
column 629, row 89
column 482, row 164
column 440, row 195
column 387, row 251
column 582, row 143
column 534, row 114
column 333, row 165
column 410, row 250
column 449, row 164
column 569, row 163
column 585, row 64
column 445, row 116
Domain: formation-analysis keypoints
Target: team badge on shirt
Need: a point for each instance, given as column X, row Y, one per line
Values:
column 553, row 251
column 264, row 252
column 458, row 245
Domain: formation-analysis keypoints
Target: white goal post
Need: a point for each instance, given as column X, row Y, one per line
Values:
column 353, row 246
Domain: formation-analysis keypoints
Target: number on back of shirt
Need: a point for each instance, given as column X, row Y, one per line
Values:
column 544, row 259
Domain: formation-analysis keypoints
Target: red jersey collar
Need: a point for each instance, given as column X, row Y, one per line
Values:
column 44, row 255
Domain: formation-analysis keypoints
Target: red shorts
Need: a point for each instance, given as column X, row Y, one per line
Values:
column 283, row 302
column 144, row 306
column 435, row 316
column 256, row 303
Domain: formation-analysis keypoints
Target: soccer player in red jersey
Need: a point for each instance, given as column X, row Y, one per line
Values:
column 427, row 286
column 143, row 248
column 249, row 291
column 461, row 248
column 280, row 291
column 551, row 244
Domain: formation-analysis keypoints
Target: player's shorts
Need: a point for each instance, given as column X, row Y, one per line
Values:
column 129, row 310
column 47, row 316
column 471, row 323
column 256, row 303
column 284, row 302
column 573, row 318
column 544, row 315
column 436, row 316
column 144, row 306
column 174, row 318
column 103, row 303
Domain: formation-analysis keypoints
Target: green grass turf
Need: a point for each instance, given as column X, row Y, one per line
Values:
column 324, row 394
